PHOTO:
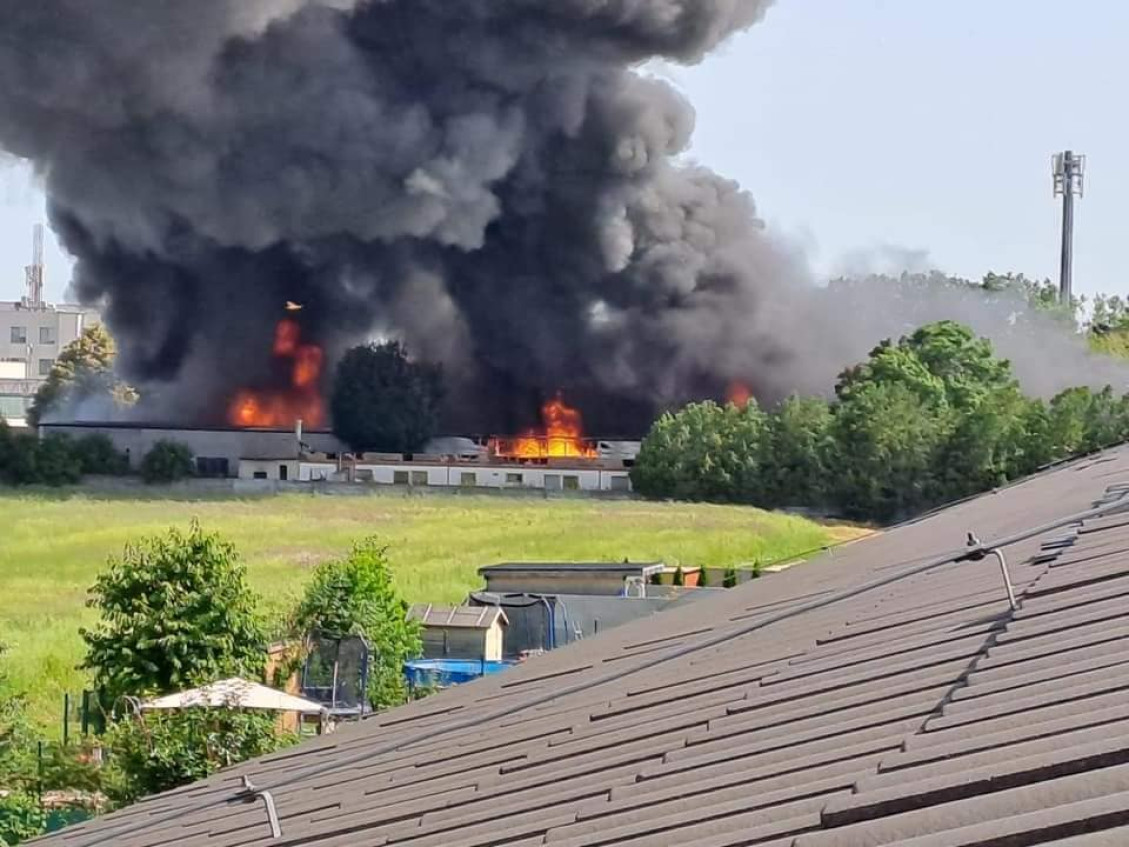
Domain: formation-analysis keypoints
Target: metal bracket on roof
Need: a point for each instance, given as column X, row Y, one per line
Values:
column 250, row 792
column 978, row 552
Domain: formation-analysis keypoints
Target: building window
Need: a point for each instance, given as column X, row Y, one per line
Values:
column 552, row 482
column 400, row 478
column 514, row 479
column 210, row 466
column 45, row 366
column 468, row 479
column 260, row 474
column 571, row 483
column 47, row 335
column 19, row 335
column 419, row 477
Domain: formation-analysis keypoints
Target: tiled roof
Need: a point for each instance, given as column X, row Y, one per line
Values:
column 881, row 695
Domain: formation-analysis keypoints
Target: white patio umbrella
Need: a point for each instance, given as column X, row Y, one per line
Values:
column 234, row 693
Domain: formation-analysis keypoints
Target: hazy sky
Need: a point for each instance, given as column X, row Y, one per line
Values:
column 883, row 131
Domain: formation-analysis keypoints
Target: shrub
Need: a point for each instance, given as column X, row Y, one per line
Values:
column 56, row 462
column 166, row 750
column 679, row 576
column 21, row 817
column 97, row 455
column 730, row 578
column 168, row 461
column 703, row 577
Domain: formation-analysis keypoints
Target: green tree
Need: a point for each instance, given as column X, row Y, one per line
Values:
column 889, row 438
column 730, row 578
column 704, row 452
column 162, row 751
column 167, row 461
column 800, row 453
column 19, row 457
column 176, row 611
column 679, row 577
column 703, row 577
column 83, row 371
column 385, row 402
column 21, row 817
column 357, row 596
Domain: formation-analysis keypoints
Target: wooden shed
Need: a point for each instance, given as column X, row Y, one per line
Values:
column 461, row 632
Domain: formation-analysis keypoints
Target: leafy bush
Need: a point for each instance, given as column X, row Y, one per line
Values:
column 357, row 596
column 97, row 455
column 21, row 817
column 167, row 461
column 56, row 462
column 176, row 611
column 730, row 578
column 163, row 751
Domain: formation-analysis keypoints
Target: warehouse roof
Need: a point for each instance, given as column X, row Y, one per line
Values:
column 883, row 694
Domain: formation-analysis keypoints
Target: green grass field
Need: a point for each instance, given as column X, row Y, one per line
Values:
column 51, row 548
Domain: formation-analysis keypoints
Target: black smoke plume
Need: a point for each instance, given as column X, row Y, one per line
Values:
column 497, row 183
column 493, row 181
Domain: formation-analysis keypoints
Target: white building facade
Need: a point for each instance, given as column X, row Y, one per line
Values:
column 31, row 337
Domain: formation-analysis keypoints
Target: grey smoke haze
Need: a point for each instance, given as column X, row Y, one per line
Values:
column 493, row 181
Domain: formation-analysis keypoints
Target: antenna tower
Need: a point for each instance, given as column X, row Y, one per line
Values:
column 34, row 271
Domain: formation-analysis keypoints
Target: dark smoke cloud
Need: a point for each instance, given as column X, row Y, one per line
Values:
column 489, row 179
column 493, row 181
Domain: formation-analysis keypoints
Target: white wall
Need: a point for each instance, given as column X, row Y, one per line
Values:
column 501, row 476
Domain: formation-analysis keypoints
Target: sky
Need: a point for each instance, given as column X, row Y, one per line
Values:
column 880, row 135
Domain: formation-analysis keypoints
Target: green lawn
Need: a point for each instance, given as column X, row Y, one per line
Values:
column 51, row 547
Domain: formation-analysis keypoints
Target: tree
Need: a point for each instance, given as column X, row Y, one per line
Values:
column 167, row 461
column 356, row 596
column 83, row 371
column 56, row 461
column 679, row 577
column 176, row 612
column 730, row 578
column 162, row 751
column 888, row 438
column 800, row 453
column 385, row 402
column 704, row 452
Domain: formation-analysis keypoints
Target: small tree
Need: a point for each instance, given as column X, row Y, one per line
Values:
column 679, row 576
column 176, row 612
column 384, row 401
column 167, row 461
column 703, row 577
column 356, row 596
column 84, row 370
column 730, row 578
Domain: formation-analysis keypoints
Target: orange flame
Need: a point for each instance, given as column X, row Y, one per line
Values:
column 739, row 394
column 276, row 408
column 563, row 436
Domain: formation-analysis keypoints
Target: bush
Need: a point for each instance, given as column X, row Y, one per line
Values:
column 730, row 578
column 176, row 612
column 679, row 576
column 168, row 461
column 97, row 455
column 357, row 596
column 163, row 751
column 56, row 462
column 21, row 818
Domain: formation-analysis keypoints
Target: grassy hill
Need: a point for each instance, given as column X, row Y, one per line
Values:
column 52, row 546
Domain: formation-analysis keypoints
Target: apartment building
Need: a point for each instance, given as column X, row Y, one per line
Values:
column 31, row 337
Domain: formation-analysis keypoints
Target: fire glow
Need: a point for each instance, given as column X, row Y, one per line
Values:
column 563, row 437
column 301, row 400
column 739, row 395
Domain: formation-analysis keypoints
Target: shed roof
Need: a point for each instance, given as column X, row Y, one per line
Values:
column 882, row 695
column 611, row 568
column 457, row 617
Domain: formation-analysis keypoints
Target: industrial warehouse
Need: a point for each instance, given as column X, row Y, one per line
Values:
column 297, row 456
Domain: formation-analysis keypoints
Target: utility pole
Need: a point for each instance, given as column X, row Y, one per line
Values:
column 1068, row 169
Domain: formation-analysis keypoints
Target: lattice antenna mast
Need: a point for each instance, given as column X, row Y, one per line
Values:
column 35, row 269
